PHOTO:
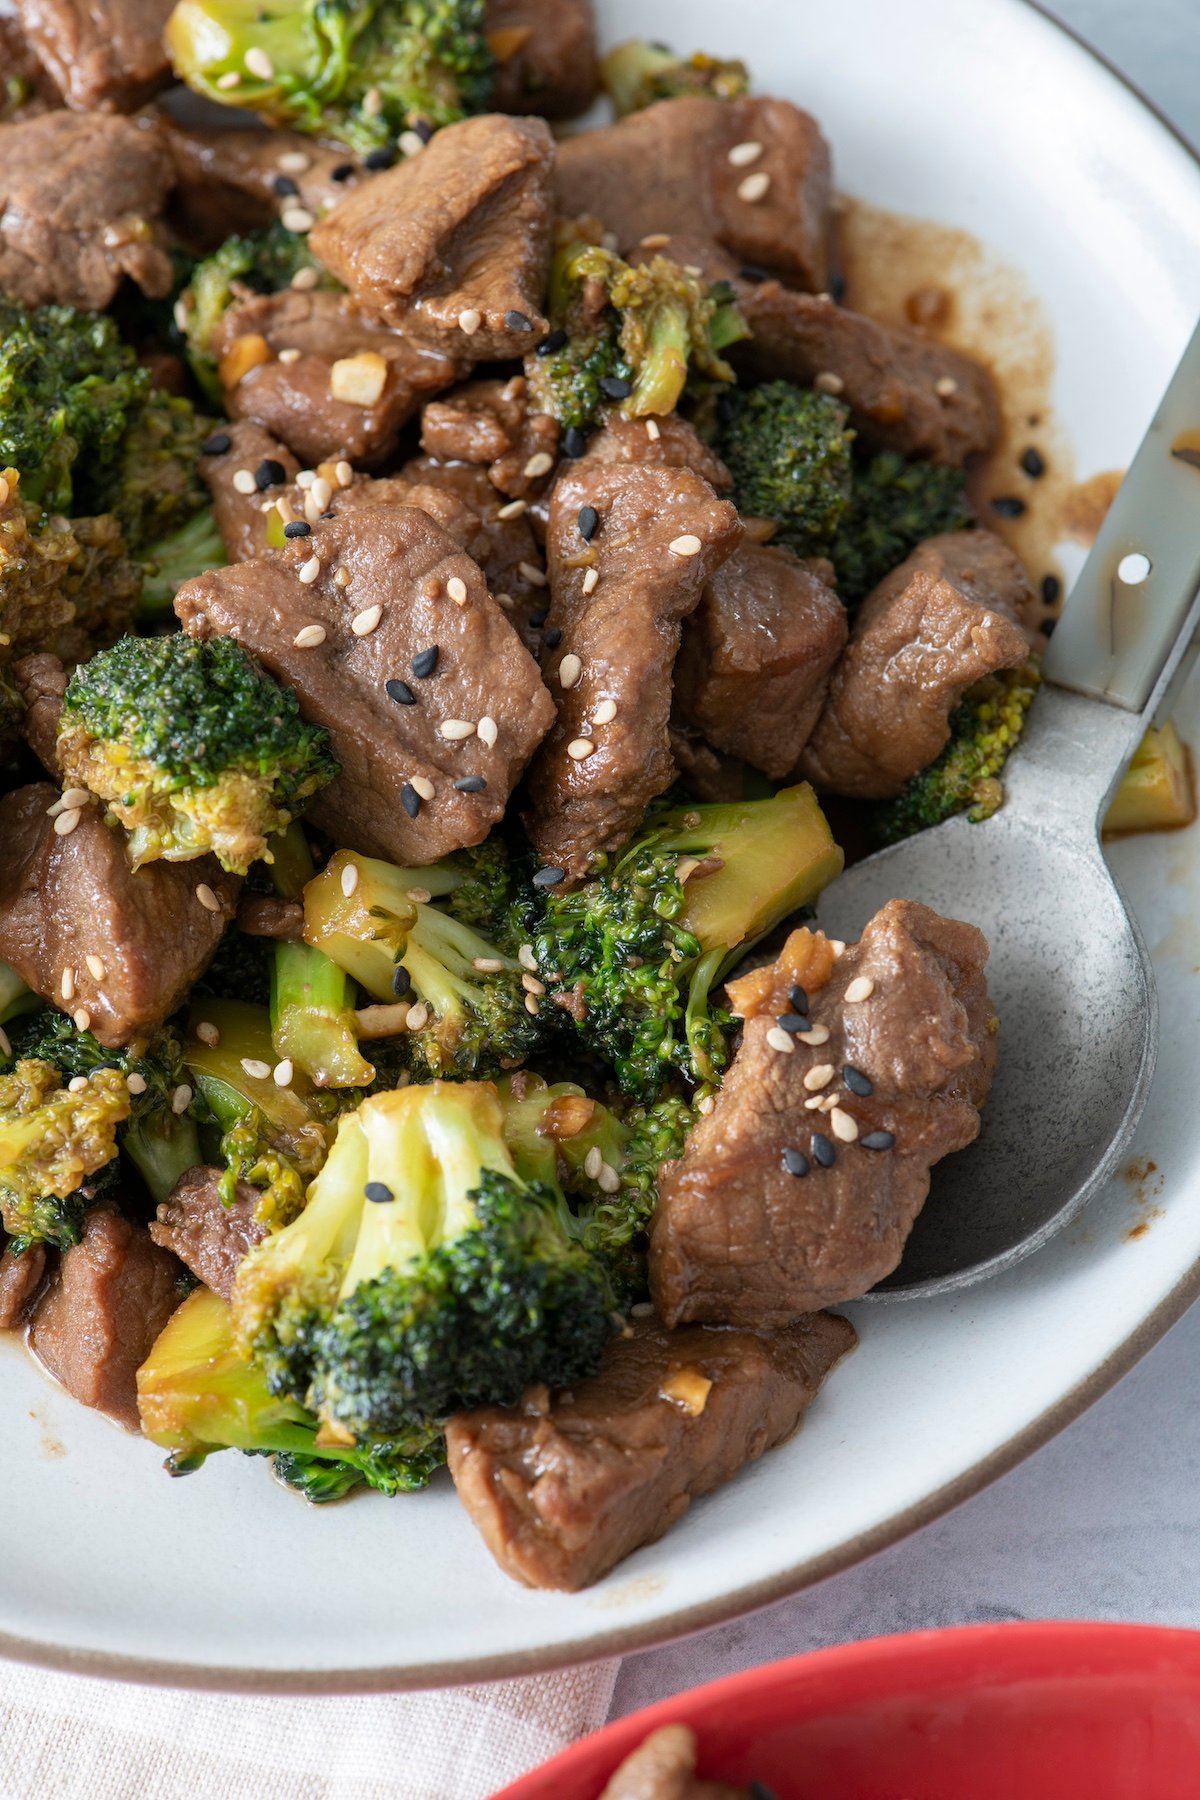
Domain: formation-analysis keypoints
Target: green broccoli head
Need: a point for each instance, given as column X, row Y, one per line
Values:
column 630, row 957
column 359, row 71
column 423, row 1276
column 52, row 1140
column 636, row 74
column 193, row 746
column 894, row 505
column 634, row 335
column 788, row 450
column 263, row 262
column 984, row 731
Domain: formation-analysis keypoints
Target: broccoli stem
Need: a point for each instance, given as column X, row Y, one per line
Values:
column 662, row 376
column 162, row 1148
column 193, row 549
column 291, row 864
column 312, row 1017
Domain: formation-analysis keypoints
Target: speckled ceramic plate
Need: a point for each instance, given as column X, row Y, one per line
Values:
column 991, row 119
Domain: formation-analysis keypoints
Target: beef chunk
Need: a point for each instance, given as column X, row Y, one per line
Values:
column 235, row 179
column 674, row 445
column 384, row 376
column 27, row 88
column 594, row 777
column 489, row 422
column 546, row 56
column 80, row 198
column 242, row 518
column 20, row 1278
column 205, row 1234
column 399, row 562
column 65, row 898
column 101, row 53
column 664, row 1768
column 706, row 773
column 905, row 392
column 107, row 1301
column 41, row 682
column 752, row 1227
column 667, row 169
column 940, row 622
column 459, row 233
column 754, row 665
column 267, row 916
column 563, row 1486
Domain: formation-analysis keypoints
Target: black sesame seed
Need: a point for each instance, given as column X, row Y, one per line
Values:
column 379, row 1192
column 856, row 1081
column 343, row 172
column 382, row 158
column 823, row 1150
column 327, row 515
column 538, row 619
column 1008, row 506
column 284, row 185
column 401, row 981
column 269, row 473
column 837, row 289
column 878, row 1140
column 531, row 918
column 471, row 784
column 425, row 662
column 410, row 800
column 423, row 129
column 1033, row 463
column 297, row 528
column 795, row 1162
column 754, row 272
column 554, row 342
column 589, row 522
column 574, row 441
column 793, row 1021
column 1048, row 627
column 549, row 877
column 400, row 692
column 518, row 321
column 799, row 999
column 553, row 638
column 217, row 444
column 614, row 387
column 1051, row 589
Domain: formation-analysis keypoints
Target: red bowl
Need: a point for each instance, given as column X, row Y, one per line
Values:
column 992, row 1712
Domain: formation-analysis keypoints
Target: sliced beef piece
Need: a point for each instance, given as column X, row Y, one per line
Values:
column 209, row 1237
column 905, row 391
column 706, row 773
column 461, row 498
column 27, row 88
column 453, row 244
column 753, row 1227
column 664, row 1768
column 267, row 916
column 80, row 200
column 63, row 898
column 943, row 620
column 674, row 444
column 619, row 600
column 546, row 58
column 490, row 422
column 101, row 53
column 381, row 375
column 41, row 682
column 667, row 170
column 240, row 178
column 107, row 1301
column 242, row 518
column 20, row 1279
column 563, row 1486
column 385, row 725
column 754, row 664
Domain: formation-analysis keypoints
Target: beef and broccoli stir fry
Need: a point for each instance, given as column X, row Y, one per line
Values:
column 446, row 579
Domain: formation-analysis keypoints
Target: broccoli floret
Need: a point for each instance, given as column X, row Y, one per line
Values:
column 633, row 954
column 193, row 549
column 636, row 74
column 262, row 262
column 51, row 1140
column 198, row 1394
column 789, row 453
column 894, row 505
column 313, row 1020
column 461, row 1004
column 359, row 71
column 966, row 776
column 192, row 745
column 634, row 335
column 423, row 1276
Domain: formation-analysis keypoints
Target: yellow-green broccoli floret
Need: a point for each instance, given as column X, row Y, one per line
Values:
column 636, row 74
column 193, row 746
column 51, row 1140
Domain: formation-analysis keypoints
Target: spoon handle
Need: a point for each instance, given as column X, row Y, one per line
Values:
column 1130, row 624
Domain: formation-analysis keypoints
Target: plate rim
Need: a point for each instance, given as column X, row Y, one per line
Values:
column 734, row 1603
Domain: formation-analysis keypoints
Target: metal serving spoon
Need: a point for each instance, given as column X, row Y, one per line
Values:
column 1069, row 972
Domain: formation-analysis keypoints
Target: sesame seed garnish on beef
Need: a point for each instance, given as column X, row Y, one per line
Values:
column 945, row 387
column 269, row 473
column 857, row 1082
column 410, row 143
column 94, row 965
column 307, row 574
column 1033, row 463
column 569, row 670
column 553, row 638
column 550, row 345
column 297, row 219
column 455, row 731
column 207, row 898
column 410, row 800
column 574, row 442
column 244, row 482
column 469, row 320
column 589, row 523
column 605, row 713
column 365, row 622
column 534, row 576
column 382, row 157
column 217, row 444
column 66, row 821
column 591, row 581
column 378, row 1193
column 539, row 464
column 284, row 186
column 456, row 588
column 823, row 1150
column 517, row 321
column 780, row 1040
column 549, row 877
column 309, row 636
column 843, row 1124
column 1008, row 506
column 488, row 730
column 828, row 383
column 83, row 1020
column 792, row 1022
column 341, row 577
column 295, row 162
column 754, row 187
column 653, row 430
column 878, row 1140
column 423, row 786
column 579, row 749
column 297, row 528
column 513, row 509
column 343, row 172
column 615, row 387
column 795, row 1161
column 687, row 545
column 256, row 1068
column 400, row 692
column 819, row 1076
column 471, row 784
column 742, row 155
column 861, row 988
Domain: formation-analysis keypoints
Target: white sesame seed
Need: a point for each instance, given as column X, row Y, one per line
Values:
column 305, row 478
column 815, row 1104
column 861, row 988
column 136, row 1083
column 341, row 577
column 657, row 240
column 5, row 1043
column 828, row 383
column 488, row 965
column 244, row 482
column 605, row 713
column 488, row 730
column 456, row 587
column 569, row 670
column 308, row 573
column 513, row 510
column 469, row 320
column 504, row 600
column 653, row 430
column 77, row 1084
column 819, row 1076
column 423, row 786
column 304, row 280
column 296, row 218
column 283, row 1072
column 230, row 79
column 419, row 896
column 706, row 1103
column 309, row 636
column 256, row 1069
column 66, row 986
column 206, row 897
column 742, row 155
column 295, row 162
column 410, row 143
column 754, row 187
column 349, row 878
column 945, row 385
column 285, row 509
column 534, row 576
column 343, row 473
column 181, row 1099
column 591, row 580
column 780, row 1040
column 540, row 463
column 593, row 1162
column 73, row 796
column 608, row 1181
column 579, row 749
column 818, row 1035
column 532, row 985
column 454, row 730
column 66, row 822
column 180, row 312
column 532, row 1005
column 259, row 63
column 838, row 946
column 312, row 512
column 322, row 492
column 526, row 958
column 95, row 966
column 208, row 1033
column 418, row 1016
column 83, row 1019
column 372, row 103
column 687, row 545
column 843, row 1124
column 364, row 623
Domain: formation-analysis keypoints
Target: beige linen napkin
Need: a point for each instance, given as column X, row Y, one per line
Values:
column 64, row 1737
